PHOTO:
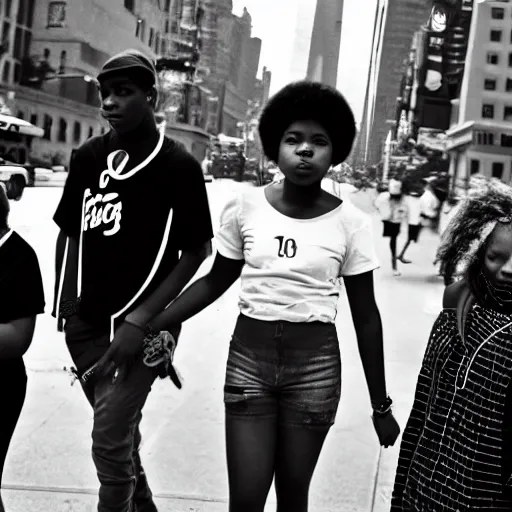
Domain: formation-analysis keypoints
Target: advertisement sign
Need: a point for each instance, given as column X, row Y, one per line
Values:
column 447, row 34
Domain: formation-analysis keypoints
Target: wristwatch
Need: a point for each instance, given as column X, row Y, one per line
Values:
column 383, row 408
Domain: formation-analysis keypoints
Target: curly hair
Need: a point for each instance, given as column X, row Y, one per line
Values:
column 465, row 239
column 306, row 100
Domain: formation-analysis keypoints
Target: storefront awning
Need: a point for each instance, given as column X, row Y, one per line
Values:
column 15, row 124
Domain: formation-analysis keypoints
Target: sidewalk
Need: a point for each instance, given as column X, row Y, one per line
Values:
column 49, row 466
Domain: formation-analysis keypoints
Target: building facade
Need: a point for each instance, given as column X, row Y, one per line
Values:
column 324, row 52
column 395, row 24
column 72, row 37
column 480, row 135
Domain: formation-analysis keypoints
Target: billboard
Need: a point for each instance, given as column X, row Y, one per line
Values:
column 446, row 36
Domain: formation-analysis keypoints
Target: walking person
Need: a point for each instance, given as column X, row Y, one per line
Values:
column 290, row 242
column 134, row 200
column 392, row 208
column 21, row 300
column 456, row 450
column 413, row 204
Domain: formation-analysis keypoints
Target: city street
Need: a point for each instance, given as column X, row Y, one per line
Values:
column 49, row 467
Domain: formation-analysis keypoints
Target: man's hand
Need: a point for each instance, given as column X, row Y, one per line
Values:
column 127, row 344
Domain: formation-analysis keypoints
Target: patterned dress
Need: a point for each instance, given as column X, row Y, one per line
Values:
column 456, row 449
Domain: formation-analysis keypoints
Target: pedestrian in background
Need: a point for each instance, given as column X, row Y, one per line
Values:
column 392, row 208
column 456, row 451
column 413, row 204
column 21, row 300
column 134, row 199
column 291, row 242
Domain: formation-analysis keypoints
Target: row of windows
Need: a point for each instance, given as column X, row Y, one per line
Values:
column 496, row 36
column 488, row 112
column 490, row 84
column 62, row 128
column 491, row 139
column 494, row 58
column 155, row 41
column 497, row 168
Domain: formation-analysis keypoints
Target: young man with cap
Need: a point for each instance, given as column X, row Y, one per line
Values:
column 135, row 227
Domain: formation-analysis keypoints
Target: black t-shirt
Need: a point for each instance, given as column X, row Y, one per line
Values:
column 22, row 293
column 135, row 223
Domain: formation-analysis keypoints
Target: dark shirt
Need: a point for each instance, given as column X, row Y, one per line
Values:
column 133, row 228
column 22, row 292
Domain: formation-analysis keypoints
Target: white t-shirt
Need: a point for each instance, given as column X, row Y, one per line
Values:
column 293, row 266
column 413, row 210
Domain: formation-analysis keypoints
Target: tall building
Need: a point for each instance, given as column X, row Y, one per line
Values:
column 396, row 22
column 324, row 50
column 480, row 135
column 68, row 40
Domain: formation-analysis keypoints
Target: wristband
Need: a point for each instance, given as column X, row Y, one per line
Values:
column 383, row 408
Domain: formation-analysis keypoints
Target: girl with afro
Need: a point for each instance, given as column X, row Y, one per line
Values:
column 291, row 242
column 456, row 451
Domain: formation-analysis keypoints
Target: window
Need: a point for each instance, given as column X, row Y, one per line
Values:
column 474, row 166
column 497, row 170
column 140, row 31
column 63, row 127
column 487, row 111
column 506, row 140
column 507, row 113
column 102, row 130
column 91, row 131
column 495, row 36
column 20, row 114
column 510, row 60
column 48, row 122
column 492, row 58
column 33, row 119
column 490, row 84
column 151, row 37
column 157, row 42
column 129, row 4
column 56, row 14
column 497, row 13
column 484, row 138
column 26, row 12
column 77, row 132
column 8, row 8
column 508, row 85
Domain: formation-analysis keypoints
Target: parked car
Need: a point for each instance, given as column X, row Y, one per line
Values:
column 16, row 177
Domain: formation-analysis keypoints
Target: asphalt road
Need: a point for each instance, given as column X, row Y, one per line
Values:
column 49, row 466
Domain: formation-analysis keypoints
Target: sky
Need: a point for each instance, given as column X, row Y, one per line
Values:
column 275, row 22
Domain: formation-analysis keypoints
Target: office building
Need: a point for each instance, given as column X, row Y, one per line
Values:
column 480, row 135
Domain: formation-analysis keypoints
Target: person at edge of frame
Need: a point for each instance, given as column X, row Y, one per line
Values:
column 133, row 201
column 291, row 243
column 456, row 450
column 22, row 299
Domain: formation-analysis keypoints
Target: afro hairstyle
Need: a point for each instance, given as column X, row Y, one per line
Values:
column 468, row 233
column 302, row 101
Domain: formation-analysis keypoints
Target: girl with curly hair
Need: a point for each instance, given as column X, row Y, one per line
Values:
column 291, row 243
column 456, row 450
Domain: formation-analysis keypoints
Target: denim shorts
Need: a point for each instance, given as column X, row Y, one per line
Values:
column 287, row 370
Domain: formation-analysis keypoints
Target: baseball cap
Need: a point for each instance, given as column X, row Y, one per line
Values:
column 129, row 61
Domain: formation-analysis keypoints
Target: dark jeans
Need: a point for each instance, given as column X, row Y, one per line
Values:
column 117, row 414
